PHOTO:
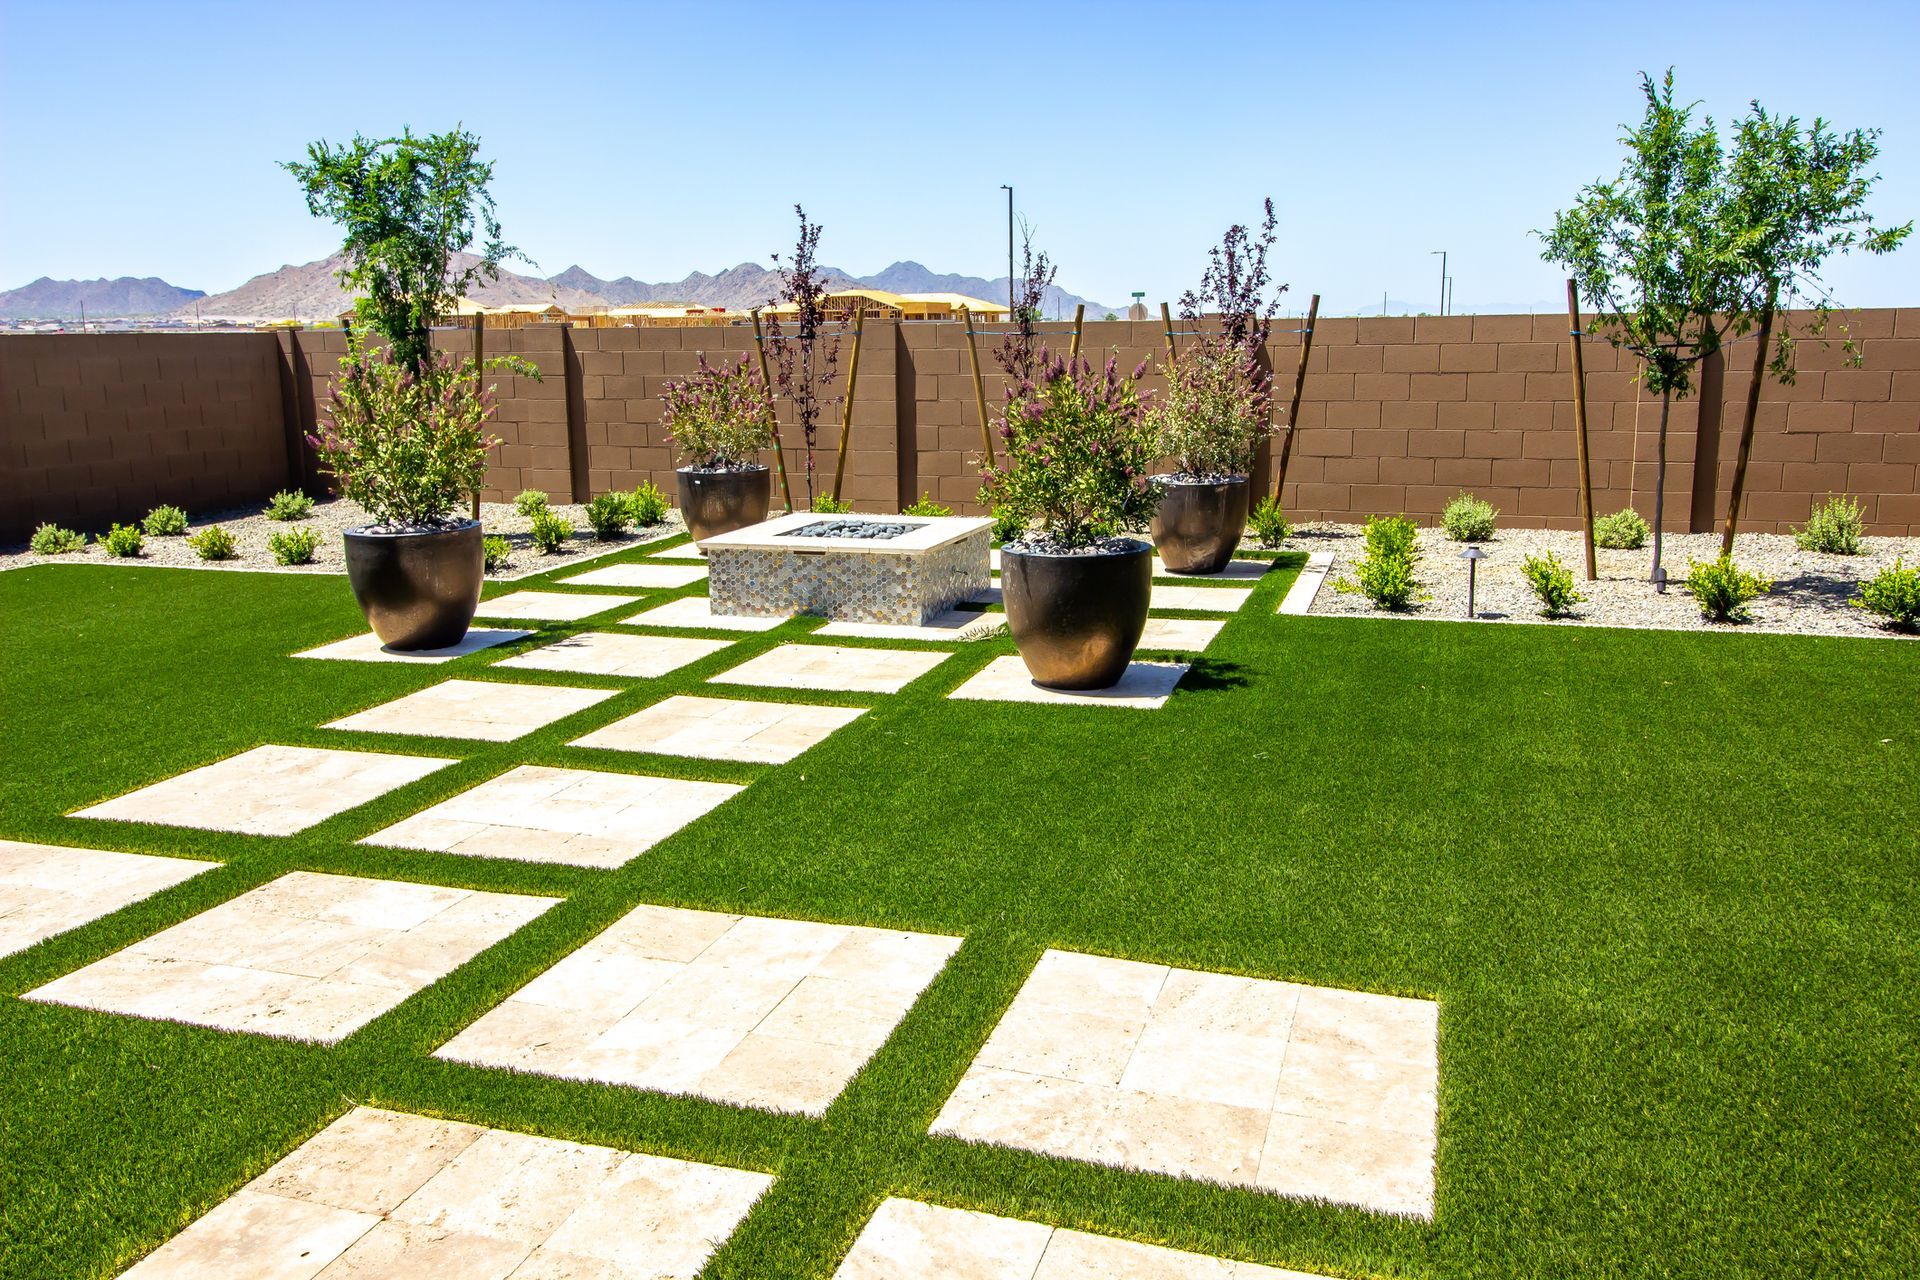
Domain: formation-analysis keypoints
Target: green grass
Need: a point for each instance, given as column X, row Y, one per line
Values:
column 1665, row 887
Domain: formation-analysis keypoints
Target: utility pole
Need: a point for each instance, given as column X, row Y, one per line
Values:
column 1443, row 278
column 1009, row 190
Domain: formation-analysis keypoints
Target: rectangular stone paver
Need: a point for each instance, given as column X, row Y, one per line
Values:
column 954, row 624
column 723, row 729
column 684, row 551
column 47, row 889
column 306, row 956
column 384, row 1193
column 268, row 791
column 611, row 653
column 749, row 1010
column 489, row 710
column 834, row 667
column 1184, row 635
column 551, row 606
column 1305, row 587
column 1297, row 1090
column 1174, row 595
column 908, row 1240
column 697, row 611
column 367, row 647
column 535, row 813
column 1145, row 686
column 651, row 577
column 1232, row 570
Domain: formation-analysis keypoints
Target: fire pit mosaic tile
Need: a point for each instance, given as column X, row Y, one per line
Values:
column 917, row 573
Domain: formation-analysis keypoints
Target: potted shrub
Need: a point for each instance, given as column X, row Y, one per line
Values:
column 1074, row 479
column 406, row 437
column 1210, row 424
column 720, row 420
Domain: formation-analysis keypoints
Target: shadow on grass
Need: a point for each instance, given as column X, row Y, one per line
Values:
column 1211, row 675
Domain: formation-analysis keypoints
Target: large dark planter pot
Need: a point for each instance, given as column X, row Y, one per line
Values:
column 1198, row 523
column 1077, row 618
column 418, row 590
column 717, row 502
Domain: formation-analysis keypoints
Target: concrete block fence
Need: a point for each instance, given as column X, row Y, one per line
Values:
column 1398, row 415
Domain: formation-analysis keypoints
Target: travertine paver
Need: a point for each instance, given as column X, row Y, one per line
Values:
column 761, row 1012
column 535, row 813
column 1145, row 686
column 1188, row 635
column 268, row 791
column 306, row 956
column 490, row 710
column 1305, row 587
column 551, row 606
column 1174, row 595
column 834, row 667
column 954, row 624
column 684, row 551
column 612, row 653
column 652, row 577
column 1299, row 1090
column 908, row 1240
column 383, row 1193
column 1232, row 570
column 367, row 647
column 47, row 888
column 697, row 611
column 723, row 729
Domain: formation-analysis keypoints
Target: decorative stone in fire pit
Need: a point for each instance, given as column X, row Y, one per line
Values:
column 850, row 568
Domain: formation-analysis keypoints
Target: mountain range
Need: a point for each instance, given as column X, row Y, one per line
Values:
column 47, row 299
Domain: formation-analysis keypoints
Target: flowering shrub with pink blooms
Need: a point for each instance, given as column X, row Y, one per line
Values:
column 1214, row 416
column 408, row 446
column 1078, row 446
column 721, row 418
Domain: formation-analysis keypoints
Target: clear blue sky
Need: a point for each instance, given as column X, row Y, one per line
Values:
column 652, row 140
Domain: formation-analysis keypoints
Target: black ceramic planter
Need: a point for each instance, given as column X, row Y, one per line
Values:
column 717, row 502
column 418, row 590
column 1199, row 522
column 1077, row 619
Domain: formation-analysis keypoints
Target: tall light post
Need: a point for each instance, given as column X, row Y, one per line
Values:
column 1009, row 190
column 1443, row 278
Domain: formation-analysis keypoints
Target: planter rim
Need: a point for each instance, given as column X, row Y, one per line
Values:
column 371, row 531
column 720, row 471
column 1189, row 482
column 1133, row 548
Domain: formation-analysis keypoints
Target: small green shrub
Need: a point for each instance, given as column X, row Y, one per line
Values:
column 610, row 514
column 1723, row 588
column 1624, row 530
column 123, row 541
column 828, row 505
column 1008, row 525
column 550, row 531
column 648, row 505
column 1552, row 581
column 926, row 506
column 289, row 504
column 498, row 552
column 1835, row 527
column 165, row 522
column 52, row 540
column 1469, row 519
column 1385, row 575
column 294, row 546
column 529, row 501
column 213, row 543
column 1269, row 522
column 1894, row 594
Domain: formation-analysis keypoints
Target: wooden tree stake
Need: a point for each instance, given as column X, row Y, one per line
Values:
column 479, row 377
column 979, row 391
column 1079, row 324
column 766, row 380
column 1166, row 322
column 846, row 412
column 1293, row 405
column 1580, row 423
column 1746, row 431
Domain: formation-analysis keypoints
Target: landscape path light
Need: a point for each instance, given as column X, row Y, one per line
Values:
column 1473, row 555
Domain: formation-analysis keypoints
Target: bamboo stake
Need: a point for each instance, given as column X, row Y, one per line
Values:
column 1079, row 323
column 766, row 380
column 1293, row 405
column 1166, row 322
column 979, row 391
column 479, row 377
column 846, row 413
column 1746, row 429
column 1580, row 424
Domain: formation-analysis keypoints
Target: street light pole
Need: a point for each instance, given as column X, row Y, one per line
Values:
column 1443, row 278
column 1009, row 190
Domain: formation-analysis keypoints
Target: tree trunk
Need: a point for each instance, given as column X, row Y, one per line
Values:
column 1659, row 575
column 1746, row 429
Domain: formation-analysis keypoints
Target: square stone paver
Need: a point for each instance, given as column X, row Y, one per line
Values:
column 1174, row 595
column 489, row 710
column 1298, row 1090
column 383, row 1193
column 1232, row 570
column 1145, row 686
column 268, row 791
column 697, row 611
column 684, row 551
column 759, row 1012
column 651, row 577
column 367, row 647
column 551, row 606
column 834, row 667
column 306, row 956
column 613, row 653
column 723, row 729
column 1185, row 635
column 535, row 813
column 47, row 889
column 908, row 1240
column 954, row 624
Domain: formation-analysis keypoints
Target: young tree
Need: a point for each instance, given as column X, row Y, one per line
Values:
column 804, row 362
column 1017, row 353
column 407, row 205
column 1237, row 288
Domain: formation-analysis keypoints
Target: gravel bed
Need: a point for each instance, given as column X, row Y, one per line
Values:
column 251, row 527
column 1809, row 596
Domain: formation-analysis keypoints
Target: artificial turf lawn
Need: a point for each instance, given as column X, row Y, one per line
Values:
column 1664, row 886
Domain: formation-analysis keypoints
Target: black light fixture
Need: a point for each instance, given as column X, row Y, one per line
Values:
column 1473, row 555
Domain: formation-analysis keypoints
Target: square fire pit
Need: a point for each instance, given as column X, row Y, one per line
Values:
column 902, row 569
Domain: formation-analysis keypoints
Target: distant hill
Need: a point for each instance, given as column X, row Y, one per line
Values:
column 750, row 285
column 47, row 299
column 911, row 277
column 311, row 292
